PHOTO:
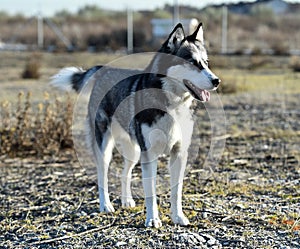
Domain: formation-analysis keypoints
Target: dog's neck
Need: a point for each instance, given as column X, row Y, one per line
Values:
column 175, row 93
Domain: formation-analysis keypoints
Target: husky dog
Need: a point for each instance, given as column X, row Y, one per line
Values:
column 154, row 99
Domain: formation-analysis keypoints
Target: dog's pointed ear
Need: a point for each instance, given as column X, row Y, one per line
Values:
column 174, row 40
column 198, row 34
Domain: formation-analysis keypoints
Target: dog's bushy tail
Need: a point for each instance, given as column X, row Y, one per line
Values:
column 72, row 78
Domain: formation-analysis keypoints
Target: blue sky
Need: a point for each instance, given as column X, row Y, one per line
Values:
column 49, row 7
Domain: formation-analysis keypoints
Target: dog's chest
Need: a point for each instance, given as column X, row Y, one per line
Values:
column 174, row 127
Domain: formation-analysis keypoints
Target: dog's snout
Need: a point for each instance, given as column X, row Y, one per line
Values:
column 216, row 82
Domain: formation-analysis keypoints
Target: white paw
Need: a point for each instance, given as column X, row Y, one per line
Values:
column 107, row 208
column 128, row 202
column 153, row 223
column 180, row 219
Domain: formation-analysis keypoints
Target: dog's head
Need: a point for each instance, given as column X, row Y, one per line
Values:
column 192, row 69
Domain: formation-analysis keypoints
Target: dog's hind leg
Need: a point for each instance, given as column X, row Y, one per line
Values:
column 103, row 157
column 177, row 166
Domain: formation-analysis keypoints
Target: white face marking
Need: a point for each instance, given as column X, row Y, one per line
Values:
column 201, row 79
column 196, row 57
column 200, row 53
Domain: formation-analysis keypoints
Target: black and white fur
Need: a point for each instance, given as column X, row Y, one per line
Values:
column 185, row 76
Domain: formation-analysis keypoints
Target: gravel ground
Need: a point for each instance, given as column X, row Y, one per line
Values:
column 251, row 199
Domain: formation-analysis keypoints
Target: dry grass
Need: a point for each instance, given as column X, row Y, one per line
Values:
column 260, row 81
column 295, row 63
column 35, row 119
column 39, row 129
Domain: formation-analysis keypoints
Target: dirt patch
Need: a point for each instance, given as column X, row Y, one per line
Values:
column 251, row 198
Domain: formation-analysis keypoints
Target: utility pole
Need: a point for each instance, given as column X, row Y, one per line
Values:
column 176, row 13
column 224, row 29
column 129, row 31
column 40, row 31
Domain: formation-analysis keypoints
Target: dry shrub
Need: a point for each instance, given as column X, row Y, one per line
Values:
column 256, row 51
column 219, row 62
column 295, row 63
column 280, row 49
column 38, row 129
column 257, row 61
column 32, row 67
column 228, row 86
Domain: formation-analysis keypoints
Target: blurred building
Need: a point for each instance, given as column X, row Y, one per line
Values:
column 161, row 28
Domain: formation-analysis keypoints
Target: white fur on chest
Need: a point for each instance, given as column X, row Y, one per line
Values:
column 174, row 127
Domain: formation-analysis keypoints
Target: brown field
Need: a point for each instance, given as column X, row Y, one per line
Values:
column 250, row 198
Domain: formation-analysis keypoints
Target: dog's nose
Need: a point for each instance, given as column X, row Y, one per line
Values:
column 216, row 82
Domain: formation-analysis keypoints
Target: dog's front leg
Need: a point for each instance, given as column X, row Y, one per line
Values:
column 177, row 166
column 149, row 183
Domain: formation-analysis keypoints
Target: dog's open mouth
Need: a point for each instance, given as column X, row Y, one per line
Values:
column 196, row 92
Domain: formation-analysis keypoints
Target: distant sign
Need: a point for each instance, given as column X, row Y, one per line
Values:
column 163, row 27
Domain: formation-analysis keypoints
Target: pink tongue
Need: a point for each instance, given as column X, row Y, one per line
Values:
column 205, row 96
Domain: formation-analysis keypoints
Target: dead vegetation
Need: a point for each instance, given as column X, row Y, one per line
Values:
column 32, row 67
column 295, row 63
column 35, row 129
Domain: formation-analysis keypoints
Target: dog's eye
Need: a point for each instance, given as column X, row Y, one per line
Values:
column 196, row 63
column 192, row 61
